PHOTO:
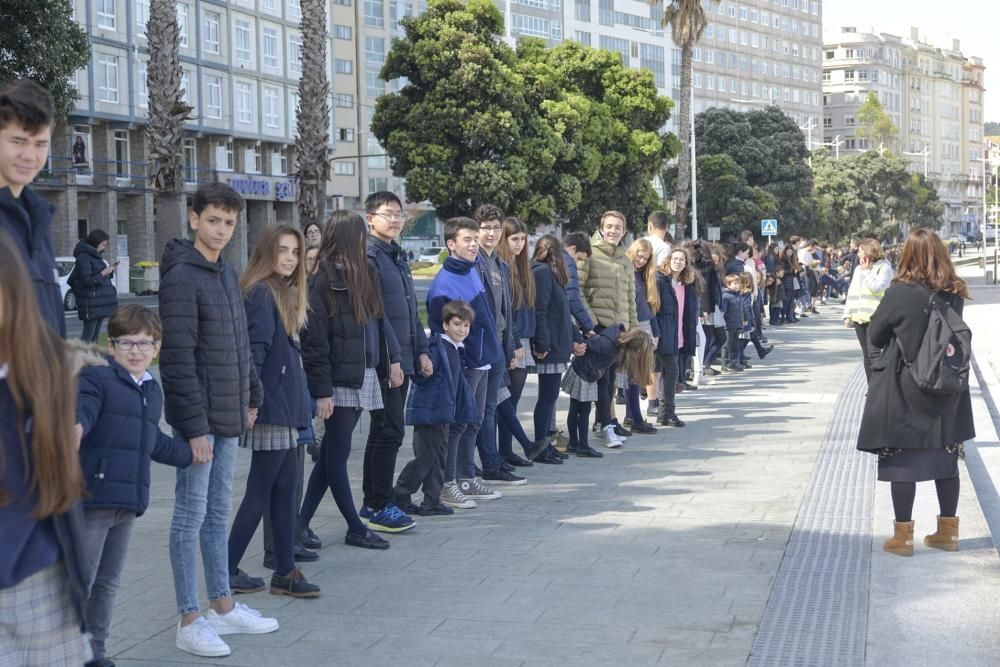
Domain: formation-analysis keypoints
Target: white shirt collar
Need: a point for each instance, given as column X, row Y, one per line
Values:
column 457, row 346
column 4, row 371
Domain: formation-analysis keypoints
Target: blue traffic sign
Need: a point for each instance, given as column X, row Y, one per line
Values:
column 768, row 227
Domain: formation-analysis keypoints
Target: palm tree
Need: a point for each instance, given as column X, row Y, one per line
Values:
column 167, row 113
column 312, row 127
column 686, row 19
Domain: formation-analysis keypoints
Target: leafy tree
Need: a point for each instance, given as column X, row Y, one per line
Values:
column 167, row 114
column 312, row 133
column 725, row 199
column 991, row 128
column 873, row 123
column 43, row 41
column 687, row 20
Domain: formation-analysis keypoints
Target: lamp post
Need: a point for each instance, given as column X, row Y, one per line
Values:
column 694, row 174
column 837, row 141
column 809, row 127
column 925, row 153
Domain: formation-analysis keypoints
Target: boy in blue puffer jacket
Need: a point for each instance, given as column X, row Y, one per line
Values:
column 118, row 415
column 733, row 312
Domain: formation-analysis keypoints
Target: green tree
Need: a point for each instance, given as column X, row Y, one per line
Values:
column 873, row 123
column 312, row 133
column 991, row 129
column 43, row 41
column 724, row 197
column 687, row 21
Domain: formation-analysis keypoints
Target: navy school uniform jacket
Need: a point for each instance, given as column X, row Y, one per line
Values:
column 508, row 341
column 668, row 319
column 732, row 309
column 399, row 302
column 643, row 312
column 576, row 305
column 121, row 434
column 602, row 348
column 554, row 330
column 456, row 281
column 747, row 300
column 444, row 397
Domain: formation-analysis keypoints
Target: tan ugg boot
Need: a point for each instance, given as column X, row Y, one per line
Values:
column 901, row 543
column 946, row 537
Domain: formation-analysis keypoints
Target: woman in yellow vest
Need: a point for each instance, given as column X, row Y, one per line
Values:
column 872, row 276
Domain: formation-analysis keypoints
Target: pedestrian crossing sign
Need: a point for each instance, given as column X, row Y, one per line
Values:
column 768, row 227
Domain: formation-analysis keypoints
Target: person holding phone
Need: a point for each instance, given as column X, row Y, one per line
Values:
column 872, row 277
column 92, row 281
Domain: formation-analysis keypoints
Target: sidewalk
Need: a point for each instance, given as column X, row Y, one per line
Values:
column 667, row 552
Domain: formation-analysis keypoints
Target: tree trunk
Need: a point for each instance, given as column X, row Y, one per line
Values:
column 170, row 219
column 683, row 192
column 312, row 136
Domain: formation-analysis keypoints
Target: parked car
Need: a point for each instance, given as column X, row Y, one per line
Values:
column 65, row 265
column 430, row 255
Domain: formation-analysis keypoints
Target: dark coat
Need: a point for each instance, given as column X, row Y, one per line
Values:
column 736, row 266
column 602, row 349
column 208, row 374
column 642, row 310
column 897, row 413
column 444, row 397
column 554, row 331
column 456, row 281
column 789, row 275
column 121, row 433
column 667, row 318
column 713, row 289
column 405, row 333
column 732, row 309
column 507, row 341
column 28, row 219
column 336, row 350
column 278, row 360
column 96, row 296
column 576, row 304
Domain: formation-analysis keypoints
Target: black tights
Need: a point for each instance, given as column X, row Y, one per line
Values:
column 331, row 471
column 578, row 423
column 903, row 494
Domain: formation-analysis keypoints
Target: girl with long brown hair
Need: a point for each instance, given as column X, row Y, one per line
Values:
column 274, row 296
column 918, row 436
column 341, row 350
column 677, row 318
column 42, row 586
column 647, row 303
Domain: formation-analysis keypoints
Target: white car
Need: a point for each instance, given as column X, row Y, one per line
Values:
column 430, row 255
column 65, row 266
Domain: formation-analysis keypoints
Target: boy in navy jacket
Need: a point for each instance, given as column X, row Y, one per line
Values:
column 119, row 411
column 436, row 402
column 733, row 312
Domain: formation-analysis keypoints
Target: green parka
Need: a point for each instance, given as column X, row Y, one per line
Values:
column 607, row 284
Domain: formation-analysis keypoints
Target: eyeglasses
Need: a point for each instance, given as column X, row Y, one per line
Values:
column 490, row 230
column 129, row 345
column 391, row 216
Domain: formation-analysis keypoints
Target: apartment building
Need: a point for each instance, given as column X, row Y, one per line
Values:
column 934, row 96
column 241, row 62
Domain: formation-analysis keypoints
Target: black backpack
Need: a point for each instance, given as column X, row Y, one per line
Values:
column 944, row 357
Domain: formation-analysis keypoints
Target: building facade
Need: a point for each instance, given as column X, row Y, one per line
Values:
column 934, row 96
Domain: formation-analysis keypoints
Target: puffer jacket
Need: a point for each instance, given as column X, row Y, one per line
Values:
column 399, row 301
column 96, row 296
column 607, row 284
column 208, row 375
column 444, row 397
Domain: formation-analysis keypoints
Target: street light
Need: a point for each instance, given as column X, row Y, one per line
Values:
column 925, row 153
column 837, row 141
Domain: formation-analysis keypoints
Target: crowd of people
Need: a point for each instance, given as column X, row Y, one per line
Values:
column 322, row 325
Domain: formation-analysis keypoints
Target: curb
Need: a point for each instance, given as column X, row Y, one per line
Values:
column 979, row 471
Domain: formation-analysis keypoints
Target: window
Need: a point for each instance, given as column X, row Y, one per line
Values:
column 709, row 32
column 107, row 78
column 849, row 121
column 182, row 22
column 213, row 96
column 224, row 155
column 525, row 24
column 121, row 154
column 142, row 70
column 709, row 56
column 583, row 37
column 696, row 54
column 617, row 45
column 344, row 3
column 141, row 16
column 732, row 11
column 753, row 16
column 374, row 50
column 709, row 82
column 244, row 103
column 744, row 38
column 295, row 54
column 653, row 58
column 827, row 122
column 269, row 5
column 374, row 86
column 732, row 35
column 190, row 160
column 743, row 13
column 211, row 28
column 185, row 86
column 252, row 159
column 374, row 13
column 279, row 162
column 106, row 14
column 343, row 168
column 294, row 10
column 241, row 41
column 269, row 48
column 606, row 12
column 696, row 80
column 345, row 134
column 583, row 10
column 343, row 32
column 271, row 107
column 344, row 100
column 343, row 66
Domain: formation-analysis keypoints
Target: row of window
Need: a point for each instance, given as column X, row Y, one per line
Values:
column 109, row 11
column 748, row 13
column 744, row 88
column 734, row 61
column 757, row 41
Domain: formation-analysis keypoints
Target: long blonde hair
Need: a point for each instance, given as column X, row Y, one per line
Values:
column 289, row 294
column 635, row 355
column 648, row 272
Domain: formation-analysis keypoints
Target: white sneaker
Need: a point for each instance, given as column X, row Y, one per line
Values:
column 200, row 638
column 475, row 489
column 241, row 620
column 450, row 495
column 611, row 439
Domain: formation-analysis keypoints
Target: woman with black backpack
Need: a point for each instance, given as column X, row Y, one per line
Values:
column 917, row 431
column 93, row 284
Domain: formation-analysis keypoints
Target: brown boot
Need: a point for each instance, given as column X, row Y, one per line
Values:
column 901, row 543
column 946, row 537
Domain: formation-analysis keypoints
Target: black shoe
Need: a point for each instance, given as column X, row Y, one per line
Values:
column 587, row 452
column 561, row 455
column 408, row 506
column 509, row 467
column 516, row 461
column 549, row 456
column 691, row 387
column 478, row 472
column 312, row 449
column 643, row 427
column 502, row 476
column 435, row 510
column 766, row 352
column 619, row 430
column 294, row 585
column 709, row 371
column 367, row 541
column 309, row 539
column 672, row 420
column 303, row 555
column 270, row 562
column 241, row 582
column 536, row 449
column 620, row 398
column 100, row 662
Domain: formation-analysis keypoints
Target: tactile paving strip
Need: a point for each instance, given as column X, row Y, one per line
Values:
column 818, row 610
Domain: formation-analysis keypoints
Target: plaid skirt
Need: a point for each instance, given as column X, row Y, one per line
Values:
column 40, row 626
column 368, row 397
column 270, row 438
column 578, row 389
column 621, row 380
column 528, row 360
column 551, row 369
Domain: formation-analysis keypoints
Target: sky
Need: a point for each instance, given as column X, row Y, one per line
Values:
column 974, row 22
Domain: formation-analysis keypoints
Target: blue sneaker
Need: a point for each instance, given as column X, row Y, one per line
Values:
column 390, row 519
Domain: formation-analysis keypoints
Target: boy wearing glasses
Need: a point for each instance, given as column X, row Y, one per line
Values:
column 118, row 411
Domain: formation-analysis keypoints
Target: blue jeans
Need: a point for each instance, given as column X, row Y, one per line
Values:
column 486, row 438
column 464, row 435
column 203, row 496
